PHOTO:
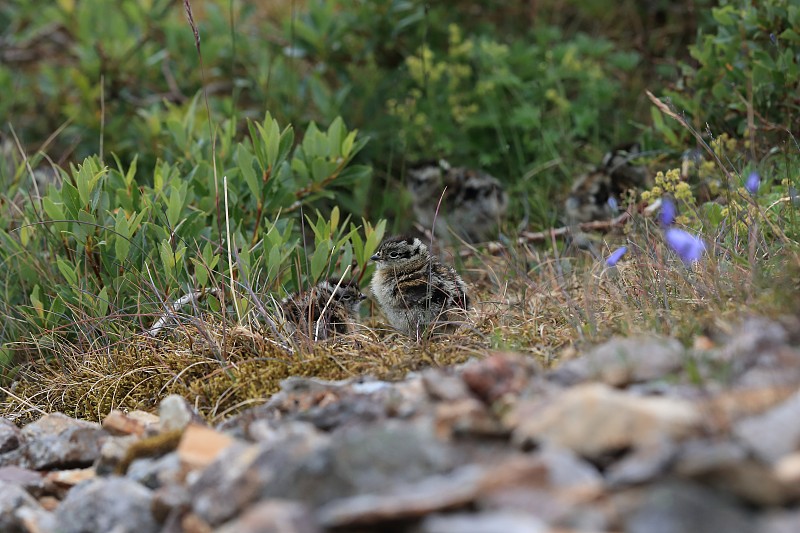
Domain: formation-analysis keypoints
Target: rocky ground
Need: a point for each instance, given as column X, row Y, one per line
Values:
column 638, row 435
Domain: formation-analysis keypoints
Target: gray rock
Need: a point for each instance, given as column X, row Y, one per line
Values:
column 58, row 441
column 565, row 470
column 158, row 472
column 112, row 452
column 697, row 457
column 780, row 522
column 243, row 474
column 594, row 420
column 644, row 464
column 21, row 513
column 406, row 501
column 103, row 505
column 485, row 522
column 684, row 507
column 725, row 465
column 175, row 413
column 621, row 361
column 9, row 435
column 31, row 480
column 273, row 431
column 317, row 470
column 772, row 434
column 443, row 387
column 273, row 516
column 170, row 500
column 754, row 339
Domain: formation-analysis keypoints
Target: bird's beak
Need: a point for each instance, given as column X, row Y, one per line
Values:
column 362, row 297
column 375, row 257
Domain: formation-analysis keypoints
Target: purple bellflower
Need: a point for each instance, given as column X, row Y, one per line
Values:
column 752, row 183
column 689, row 247
column 616, row 255
column 668, row 212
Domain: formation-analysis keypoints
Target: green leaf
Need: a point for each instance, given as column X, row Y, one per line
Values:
column 272, row 142
column 175, row 205
column 36, row 301
column 246, row 159
column 167, row 256
column 200, row 272
column 725, row 15
column 334, row 218
column 102, row 303
column 348, row 143
column 319, row 260
column 122, row 245
column 68, row 271
column 335, row 131
column 72, row 201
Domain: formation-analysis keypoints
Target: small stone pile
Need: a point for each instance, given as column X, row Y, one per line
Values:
column 638, row 434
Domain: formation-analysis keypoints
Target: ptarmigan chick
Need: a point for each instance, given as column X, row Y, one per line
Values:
column 324, row 310
column 595, row 195
column 414, row 289
column 473, row 203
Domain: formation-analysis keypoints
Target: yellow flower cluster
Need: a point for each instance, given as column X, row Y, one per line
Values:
column 670, row 183
column 724, row 144
column 450, row 75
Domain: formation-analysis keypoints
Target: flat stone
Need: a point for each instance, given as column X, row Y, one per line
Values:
column 699, row 456
column 114, row 450
column 565, row 470
column 170, row 499
column 107, row 504
column 683, row 507
column 60, row 481
column 235, row 480
column 624, row 360
column 787, row 469
column 9, row 435
column 755, row 339
column 158, row 472
column 780, row 522
column 200, row 445
column 20, row 512
column 58, row 441
column 273, row 516
column 726, row 465
column 31, row 480
column 269, row 431
column 488, row 521
column 444, row 387
column 317, row 470
column 594, row 420
column 175, row 413
column 433, row 494
column 119, row 423
column 774, row 433
column 498, row 375
column 643, row 464
column 467, row 416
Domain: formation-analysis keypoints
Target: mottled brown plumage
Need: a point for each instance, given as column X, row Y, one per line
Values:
column 473, row 204
column 595, row 194
column 414, row 289
column 324, row 310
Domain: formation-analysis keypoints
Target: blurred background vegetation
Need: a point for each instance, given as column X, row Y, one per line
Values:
column 316, row 108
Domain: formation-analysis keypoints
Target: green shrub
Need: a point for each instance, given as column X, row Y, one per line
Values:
column 110, row 246
column 748, row 68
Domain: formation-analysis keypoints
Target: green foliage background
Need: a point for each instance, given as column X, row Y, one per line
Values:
column 289, row 169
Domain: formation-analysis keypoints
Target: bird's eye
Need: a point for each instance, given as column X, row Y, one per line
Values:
column 394, row 255
column 347, row 297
